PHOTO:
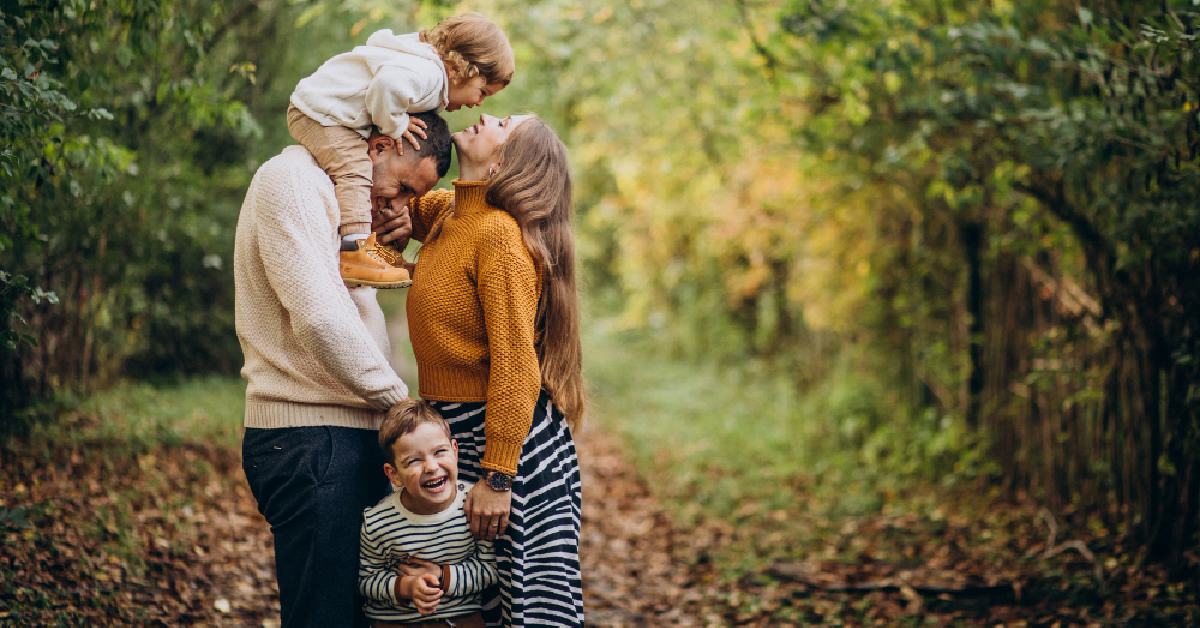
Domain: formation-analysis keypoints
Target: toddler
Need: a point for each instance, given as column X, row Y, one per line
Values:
column 418, row 559
column 460, row 62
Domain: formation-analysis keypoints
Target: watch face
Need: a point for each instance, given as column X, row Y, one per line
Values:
column 499, row 481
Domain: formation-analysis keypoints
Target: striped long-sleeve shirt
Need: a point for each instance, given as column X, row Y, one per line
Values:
column 391, row 534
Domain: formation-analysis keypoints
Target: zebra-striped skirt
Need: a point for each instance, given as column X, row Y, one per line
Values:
column 538, row 556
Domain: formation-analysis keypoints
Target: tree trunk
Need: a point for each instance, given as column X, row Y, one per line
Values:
column 972, row 238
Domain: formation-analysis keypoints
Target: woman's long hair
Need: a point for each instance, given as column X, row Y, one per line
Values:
column 533, row 184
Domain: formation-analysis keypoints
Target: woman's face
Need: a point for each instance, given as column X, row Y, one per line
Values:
column 479, row 143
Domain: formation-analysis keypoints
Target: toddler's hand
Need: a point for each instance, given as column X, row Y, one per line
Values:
column 414, row 128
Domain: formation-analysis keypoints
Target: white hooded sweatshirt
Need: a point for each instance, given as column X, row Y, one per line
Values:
column 376, row 84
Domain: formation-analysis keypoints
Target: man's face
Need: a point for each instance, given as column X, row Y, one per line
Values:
column 400, row 178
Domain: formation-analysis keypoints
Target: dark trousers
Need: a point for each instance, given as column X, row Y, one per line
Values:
column 312, row 484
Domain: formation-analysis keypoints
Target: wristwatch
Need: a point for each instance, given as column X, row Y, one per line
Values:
column 498, row 481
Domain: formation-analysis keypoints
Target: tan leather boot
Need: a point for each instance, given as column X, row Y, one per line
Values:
column 393, row 256
column 368, row 267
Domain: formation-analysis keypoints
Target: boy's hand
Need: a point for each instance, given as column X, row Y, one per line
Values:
column 423, row 590
column 414, row 127
column 418, row 567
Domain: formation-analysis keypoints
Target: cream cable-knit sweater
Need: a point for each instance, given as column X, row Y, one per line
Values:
column 315, row 351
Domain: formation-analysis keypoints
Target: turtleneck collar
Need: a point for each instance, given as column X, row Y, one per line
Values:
column 469, row 195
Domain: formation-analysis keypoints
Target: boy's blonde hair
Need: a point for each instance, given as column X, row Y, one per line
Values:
column 404, row 419
column 472, row 46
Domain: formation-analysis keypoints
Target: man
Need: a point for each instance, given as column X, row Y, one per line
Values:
column 319, row 382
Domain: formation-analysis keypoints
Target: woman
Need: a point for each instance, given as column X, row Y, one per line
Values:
column 493, row 319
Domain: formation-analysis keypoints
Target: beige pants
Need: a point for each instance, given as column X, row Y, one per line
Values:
column 342, row 153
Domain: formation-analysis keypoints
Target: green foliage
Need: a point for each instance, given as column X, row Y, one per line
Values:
column 106, row 202
column 12, row 289
column 132, row 133
column 1067, row 132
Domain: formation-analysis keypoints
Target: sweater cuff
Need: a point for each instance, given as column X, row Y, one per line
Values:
column 388, row 398
column 501, row 456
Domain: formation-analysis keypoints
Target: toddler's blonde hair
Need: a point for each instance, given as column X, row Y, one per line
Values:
column 472, row 46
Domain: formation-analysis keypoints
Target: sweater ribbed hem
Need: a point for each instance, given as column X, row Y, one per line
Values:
column 453, row 384
column 276, row 414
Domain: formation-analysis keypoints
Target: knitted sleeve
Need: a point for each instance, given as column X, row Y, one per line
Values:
column 508, row 293
column 428, row 210
column 302, row 270
column 390, row 97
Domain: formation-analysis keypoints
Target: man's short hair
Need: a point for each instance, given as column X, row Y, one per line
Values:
column 404, row 420
column 437, row 141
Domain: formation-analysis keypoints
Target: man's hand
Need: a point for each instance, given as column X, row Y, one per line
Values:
column 423, row 590
column 393, row 225
column 414, row 128
column 487, row 511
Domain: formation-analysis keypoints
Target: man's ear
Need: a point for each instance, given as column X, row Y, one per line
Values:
column 380, row 143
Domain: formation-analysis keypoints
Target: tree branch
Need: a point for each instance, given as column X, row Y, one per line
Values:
column 1079, row 224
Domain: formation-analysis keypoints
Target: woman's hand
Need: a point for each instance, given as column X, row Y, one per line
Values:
column 487, row 511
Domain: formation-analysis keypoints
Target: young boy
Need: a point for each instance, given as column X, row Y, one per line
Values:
column 418, row 559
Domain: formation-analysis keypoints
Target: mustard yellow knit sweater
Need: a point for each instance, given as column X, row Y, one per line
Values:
column 472, row 313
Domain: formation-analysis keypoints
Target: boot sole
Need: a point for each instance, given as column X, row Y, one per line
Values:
column 355, row 283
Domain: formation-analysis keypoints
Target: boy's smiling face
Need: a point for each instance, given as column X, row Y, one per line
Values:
column 426, row 469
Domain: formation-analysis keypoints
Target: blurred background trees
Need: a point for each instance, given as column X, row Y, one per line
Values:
column 968, row 229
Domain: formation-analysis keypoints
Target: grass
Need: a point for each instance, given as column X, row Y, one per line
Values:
column 719, row 438
column 139, row 416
